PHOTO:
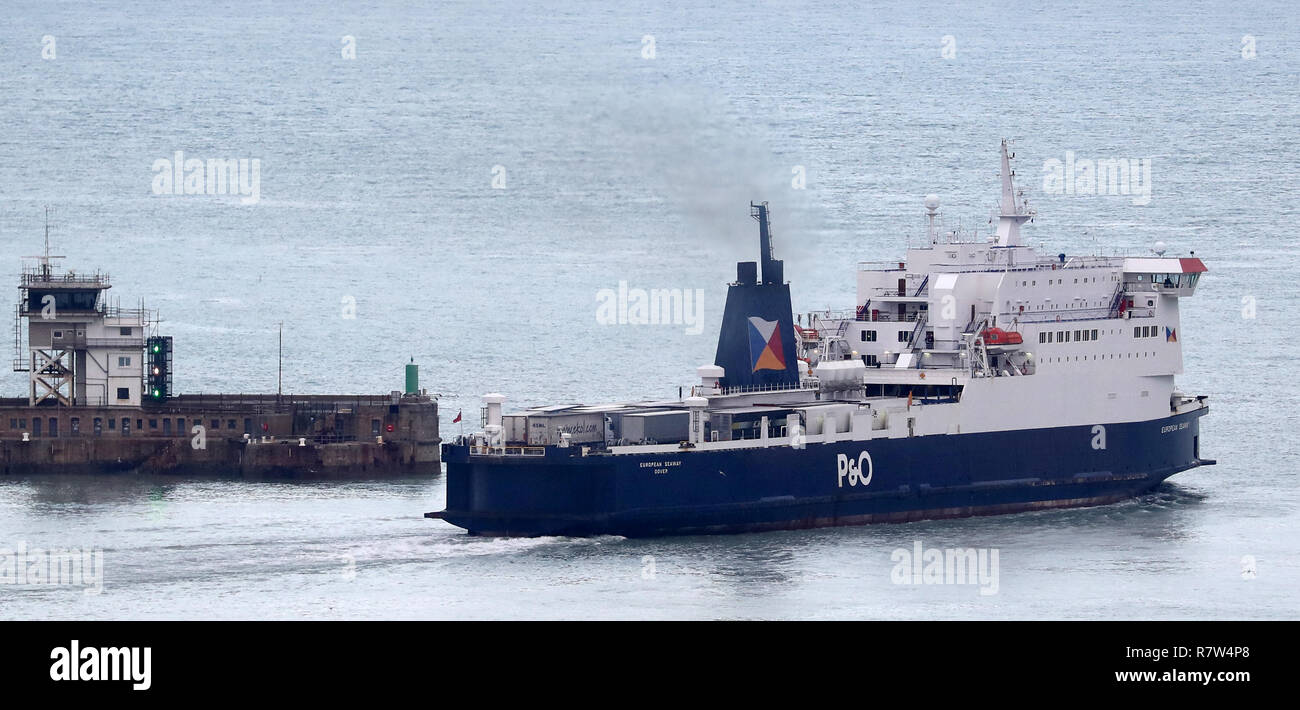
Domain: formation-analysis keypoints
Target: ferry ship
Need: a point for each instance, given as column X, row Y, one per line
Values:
column 976, row 377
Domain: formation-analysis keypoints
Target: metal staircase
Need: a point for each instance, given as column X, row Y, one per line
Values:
column 918, row 332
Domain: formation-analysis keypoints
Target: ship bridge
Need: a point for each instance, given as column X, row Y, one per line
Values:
column 991, row 306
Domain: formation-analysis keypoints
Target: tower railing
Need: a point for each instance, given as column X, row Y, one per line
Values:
column 35, row 276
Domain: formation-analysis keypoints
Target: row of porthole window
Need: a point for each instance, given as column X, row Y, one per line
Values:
column 1085, row 358
column 1063, row 336
column 1086, row 279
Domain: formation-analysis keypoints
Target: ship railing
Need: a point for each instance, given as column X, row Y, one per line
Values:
column 883, row 317
column 892, row 291
column 830, row 315
column 1083, row 262
column 1101, row 313
column 745, row 389
column 535, row 451
column 1030, row 266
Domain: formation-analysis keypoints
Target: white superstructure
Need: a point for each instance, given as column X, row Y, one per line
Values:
column 1100, row 338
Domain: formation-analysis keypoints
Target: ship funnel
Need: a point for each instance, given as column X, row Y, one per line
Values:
column 756, row 343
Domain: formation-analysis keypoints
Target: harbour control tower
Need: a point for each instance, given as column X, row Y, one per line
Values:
column 80, row 350
column 100, row 384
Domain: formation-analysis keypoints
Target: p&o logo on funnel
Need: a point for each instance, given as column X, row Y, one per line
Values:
column 765, row 351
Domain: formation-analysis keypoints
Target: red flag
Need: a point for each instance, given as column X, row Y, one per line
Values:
column 457, row 419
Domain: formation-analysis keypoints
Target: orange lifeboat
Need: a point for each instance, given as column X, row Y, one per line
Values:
column 999, row 338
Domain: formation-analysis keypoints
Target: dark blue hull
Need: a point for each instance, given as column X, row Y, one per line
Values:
column 899, row 480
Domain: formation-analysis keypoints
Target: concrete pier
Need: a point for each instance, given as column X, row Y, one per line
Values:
column 253, row 436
